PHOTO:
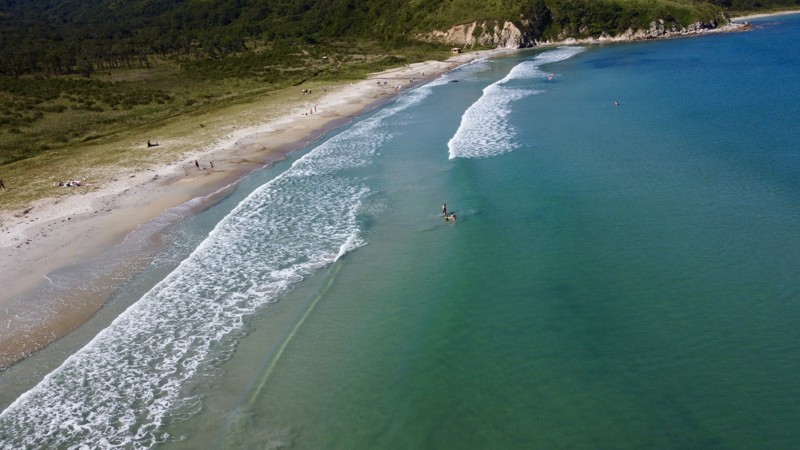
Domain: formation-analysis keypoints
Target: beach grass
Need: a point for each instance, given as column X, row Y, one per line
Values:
column 60, row 128
column 125, row 149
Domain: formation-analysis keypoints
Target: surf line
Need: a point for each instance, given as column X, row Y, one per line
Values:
column 241, row 412
column 321, row 293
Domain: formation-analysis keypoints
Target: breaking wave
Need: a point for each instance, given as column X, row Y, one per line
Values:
column 484, row 130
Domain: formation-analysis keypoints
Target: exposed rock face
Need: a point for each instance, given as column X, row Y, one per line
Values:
column 482, row 34
column 661, row 29
column 508, row 35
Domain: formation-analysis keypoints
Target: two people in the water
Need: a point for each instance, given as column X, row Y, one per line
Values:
column 452, row 216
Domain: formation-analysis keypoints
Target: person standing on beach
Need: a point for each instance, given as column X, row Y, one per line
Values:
column 196, row 164
column 212, row 165
column 1, row 184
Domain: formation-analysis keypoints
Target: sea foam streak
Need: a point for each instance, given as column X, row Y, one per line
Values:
column 123, row 387
column 484, row 129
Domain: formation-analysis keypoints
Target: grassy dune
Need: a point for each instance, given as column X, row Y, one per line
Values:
column 54, row 129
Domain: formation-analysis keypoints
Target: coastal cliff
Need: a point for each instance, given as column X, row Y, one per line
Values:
column 482, row 34
column 523, row 35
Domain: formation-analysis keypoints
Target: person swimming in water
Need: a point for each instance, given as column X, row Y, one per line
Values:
column 444, row 209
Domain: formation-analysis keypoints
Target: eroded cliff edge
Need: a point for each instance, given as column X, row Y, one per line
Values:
column 494, row 34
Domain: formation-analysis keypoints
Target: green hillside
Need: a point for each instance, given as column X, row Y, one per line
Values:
column 78, row 71
column 80, row 36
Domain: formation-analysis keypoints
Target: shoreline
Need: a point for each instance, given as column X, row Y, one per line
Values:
column 57, row 234
column 651, row 35
column 764, row 15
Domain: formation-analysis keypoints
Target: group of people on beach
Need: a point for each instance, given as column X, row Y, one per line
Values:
column 394, row 86
column 308, row 91
column 451, row 217
column 197, row 164
column 71, row 182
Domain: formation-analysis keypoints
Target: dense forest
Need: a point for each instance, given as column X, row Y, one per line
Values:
column 81, row 36
column 63, row 59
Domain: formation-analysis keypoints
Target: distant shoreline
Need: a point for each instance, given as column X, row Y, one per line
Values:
column 642, row 35
column 764, row 15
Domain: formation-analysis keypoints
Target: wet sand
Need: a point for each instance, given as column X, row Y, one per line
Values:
column 56, row 235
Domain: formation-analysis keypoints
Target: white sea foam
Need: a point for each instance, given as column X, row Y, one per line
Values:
column 121, row 389
column 352, row 243
column 484, row 129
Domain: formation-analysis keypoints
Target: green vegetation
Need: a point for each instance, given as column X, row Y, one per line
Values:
column 756, row 6
column 582, row 19
column 83, row 73
column 54, row 37
column 41, row 113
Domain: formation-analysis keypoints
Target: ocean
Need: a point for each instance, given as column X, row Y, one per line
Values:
column 623, row 273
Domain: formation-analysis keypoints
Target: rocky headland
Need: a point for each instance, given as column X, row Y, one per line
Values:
column 482, row 34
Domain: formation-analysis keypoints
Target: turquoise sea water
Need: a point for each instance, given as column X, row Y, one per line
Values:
column 618, row 276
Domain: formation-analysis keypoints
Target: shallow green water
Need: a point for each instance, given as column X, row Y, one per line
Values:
column 625, row 278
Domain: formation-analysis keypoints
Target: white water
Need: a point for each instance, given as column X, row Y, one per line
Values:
column 484, row 130
column 130, row 380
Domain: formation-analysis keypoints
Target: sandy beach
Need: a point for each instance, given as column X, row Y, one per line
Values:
column 761, row 16
column 58, row 233
column 66, row 231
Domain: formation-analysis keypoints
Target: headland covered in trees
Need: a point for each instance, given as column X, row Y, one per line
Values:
column 74, row 73
column 86, row 85
column 71, row 37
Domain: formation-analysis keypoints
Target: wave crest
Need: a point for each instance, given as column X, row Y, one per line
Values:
column 484, row 130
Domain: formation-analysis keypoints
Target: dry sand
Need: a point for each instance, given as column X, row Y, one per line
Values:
column 761, row 16
column 60, row 233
